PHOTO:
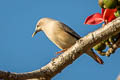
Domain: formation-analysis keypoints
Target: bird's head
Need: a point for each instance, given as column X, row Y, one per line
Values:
column 37, row 29
column 40, row 24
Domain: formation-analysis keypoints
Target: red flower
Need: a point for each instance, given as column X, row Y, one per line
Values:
column 106, row 16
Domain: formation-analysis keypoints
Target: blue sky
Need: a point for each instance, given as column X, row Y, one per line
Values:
column 19, row 52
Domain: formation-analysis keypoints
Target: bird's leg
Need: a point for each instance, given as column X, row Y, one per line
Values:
column 61, row 51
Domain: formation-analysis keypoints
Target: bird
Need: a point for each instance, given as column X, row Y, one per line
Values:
column 61, row 35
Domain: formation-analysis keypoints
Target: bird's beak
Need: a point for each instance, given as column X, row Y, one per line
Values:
column 34, row 34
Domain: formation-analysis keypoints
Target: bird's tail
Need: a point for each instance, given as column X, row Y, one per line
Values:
column 95, row 57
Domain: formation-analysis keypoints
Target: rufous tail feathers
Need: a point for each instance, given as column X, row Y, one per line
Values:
column 95, row 57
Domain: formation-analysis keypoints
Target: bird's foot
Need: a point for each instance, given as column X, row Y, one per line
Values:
column 61, row 51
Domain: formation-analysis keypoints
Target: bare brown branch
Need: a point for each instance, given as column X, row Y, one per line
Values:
column 118, row 78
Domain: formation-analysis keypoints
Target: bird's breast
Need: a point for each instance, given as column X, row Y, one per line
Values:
column 60, row 38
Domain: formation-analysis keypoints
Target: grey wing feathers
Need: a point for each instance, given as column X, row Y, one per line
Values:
column 70, row 31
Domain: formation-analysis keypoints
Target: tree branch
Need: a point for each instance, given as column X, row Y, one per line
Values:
column 56, row 65
column 118, row 78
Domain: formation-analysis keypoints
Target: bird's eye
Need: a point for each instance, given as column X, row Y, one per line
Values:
column 37, row 25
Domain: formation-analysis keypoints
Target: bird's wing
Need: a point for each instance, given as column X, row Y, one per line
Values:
column 70, row 31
